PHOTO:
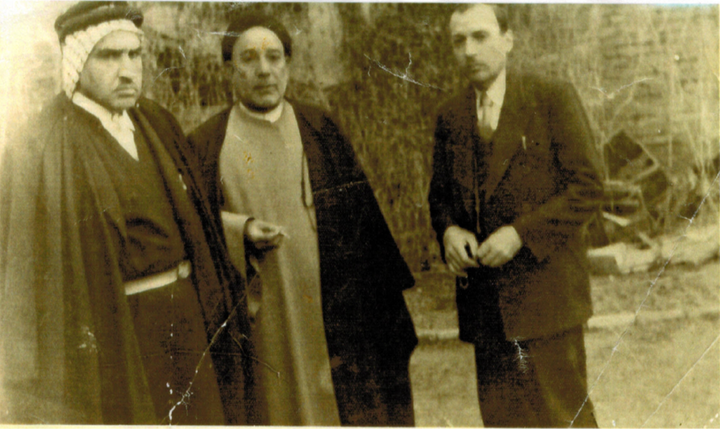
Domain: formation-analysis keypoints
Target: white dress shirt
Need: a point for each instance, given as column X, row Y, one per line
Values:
column 120, row 126
column 496, row 93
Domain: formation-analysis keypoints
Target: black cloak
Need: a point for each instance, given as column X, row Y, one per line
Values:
column 362, row 274
column 69, row 351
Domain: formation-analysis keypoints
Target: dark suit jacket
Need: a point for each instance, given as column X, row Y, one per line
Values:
column 362, row 273
column 537, row 175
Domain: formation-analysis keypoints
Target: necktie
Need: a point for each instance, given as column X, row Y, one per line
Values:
column 484, row 118
column 484, row 149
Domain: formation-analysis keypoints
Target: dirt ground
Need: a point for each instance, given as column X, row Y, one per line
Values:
column 655, row 373
column 664, row 375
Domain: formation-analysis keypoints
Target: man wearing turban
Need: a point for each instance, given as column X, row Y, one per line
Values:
column 115, row 306
column 330, row 332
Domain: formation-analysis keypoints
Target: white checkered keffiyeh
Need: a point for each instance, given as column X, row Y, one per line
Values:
column 78, row 46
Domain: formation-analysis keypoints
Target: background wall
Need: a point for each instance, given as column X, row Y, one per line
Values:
column 383, row 69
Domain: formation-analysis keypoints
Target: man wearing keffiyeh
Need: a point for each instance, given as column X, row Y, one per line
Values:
column 115, row 301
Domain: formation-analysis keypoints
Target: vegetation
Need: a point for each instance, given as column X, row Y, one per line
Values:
column 383, row 69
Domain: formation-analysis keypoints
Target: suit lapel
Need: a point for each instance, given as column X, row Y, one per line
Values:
column 466, row 142
column 507, row 139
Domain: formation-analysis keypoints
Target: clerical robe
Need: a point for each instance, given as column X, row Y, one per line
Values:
column 264, row 173
column 301, row 173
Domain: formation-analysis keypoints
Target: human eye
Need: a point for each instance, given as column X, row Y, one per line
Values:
column 275, row 56
column 135, row 53
column 248, row 56
column 458, row 40
column 480, row 36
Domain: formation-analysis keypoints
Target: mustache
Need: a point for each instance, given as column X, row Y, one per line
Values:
column 128, row 86
column 129, row 81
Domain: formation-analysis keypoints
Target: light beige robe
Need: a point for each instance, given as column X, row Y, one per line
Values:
column 264, row 175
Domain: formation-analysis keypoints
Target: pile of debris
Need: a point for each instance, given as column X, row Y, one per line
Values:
column 625, row 236
column 694, row 248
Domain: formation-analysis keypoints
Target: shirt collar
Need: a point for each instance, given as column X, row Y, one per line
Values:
column 108, row 119
column 496, row 91
column 270, row 116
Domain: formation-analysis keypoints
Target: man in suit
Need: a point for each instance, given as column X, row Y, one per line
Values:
column 330, row 331
column 513, row 185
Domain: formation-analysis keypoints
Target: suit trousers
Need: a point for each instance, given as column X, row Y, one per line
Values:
column 534, row 383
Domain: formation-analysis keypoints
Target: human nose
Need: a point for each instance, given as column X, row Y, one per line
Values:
column 130, row 66
column 470, row 48
column 263, row 66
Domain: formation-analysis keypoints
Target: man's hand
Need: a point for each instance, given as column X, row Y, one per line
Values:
column 263, row 235
column 460, row 246
column 500, row 247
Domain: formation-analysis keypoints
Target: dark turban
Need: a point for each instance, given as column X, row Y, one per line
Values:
column 249, row 20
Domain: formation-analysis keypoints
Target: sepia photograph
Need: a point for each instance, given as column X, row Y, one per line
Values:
column 359, row 214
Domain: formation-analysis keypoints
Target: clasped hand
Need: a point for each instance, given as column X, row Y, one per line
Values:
column 462, row 250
